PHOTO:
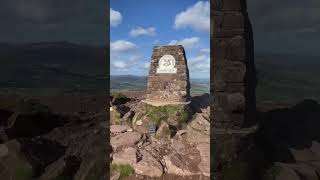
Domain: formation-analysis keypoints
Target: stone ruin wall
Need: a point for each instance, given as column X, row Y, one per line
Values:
column 232, row 65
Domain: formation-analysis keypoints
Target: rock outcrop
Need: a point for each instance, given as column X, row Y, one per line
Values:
column 182, row 151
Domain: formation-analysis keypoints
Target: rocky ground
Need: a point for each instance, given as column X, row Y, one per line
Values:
column 170, row 152
column 41, row 138
column 283, row 145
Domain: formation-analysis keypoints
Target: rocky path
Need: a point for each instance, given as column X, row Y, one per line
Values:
column 182, row 154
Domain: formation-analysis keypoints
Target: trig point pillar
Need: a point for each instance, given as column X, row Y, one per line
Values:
column 168, row 81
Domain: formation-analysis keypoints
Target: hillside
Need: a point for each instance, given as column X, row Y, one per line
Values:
column 56, row 68
column 287, row 77
column 126, row 83
column 52, row 67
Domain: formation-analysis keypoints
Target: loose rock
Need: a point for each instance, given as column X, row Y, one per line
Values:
column 128, row 139
column 148, row 166
column 127, row 156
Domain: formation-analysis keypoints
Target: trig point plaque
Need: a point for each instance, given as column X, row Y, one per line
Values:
column 168, row 81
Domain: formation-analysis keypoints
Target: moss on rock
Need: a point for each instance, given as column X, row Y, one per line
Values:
column 174, row 115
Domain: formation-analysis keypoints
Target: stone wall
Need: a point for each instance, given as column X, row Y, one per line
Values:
column 232, row 65
column 171, row 87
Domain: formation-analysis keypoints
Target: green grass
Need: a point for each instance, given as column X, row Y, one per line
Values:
column 124, row 169
column 162, row 113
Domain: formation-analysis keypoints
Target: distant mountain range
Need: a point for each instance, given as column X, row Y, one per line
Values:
column 63, row 67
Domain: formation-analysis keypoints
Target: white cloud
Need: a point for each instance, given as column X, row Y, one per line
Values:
column 205, row 50
column 124, row 64
column 119, row 64
column 196, row 17
column 187, row 42
column 122, row 46
column 139, row 31
column 199, row 63
column 146, row 65
column 115, row 18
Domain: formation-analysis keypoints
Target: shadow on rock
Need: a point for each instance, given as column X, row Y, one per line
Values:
column 199, row 102
column 280, row 133
column 30, row 125
column 41, row 152
column 286, row 128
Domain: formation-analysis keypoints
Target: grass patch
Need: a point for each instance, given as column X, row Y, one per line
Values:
column 162, row 113
column 124, row 169
column 115, row 116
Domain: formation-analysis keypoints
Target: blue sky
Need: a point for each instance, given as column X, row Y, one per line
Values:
column 137, row 26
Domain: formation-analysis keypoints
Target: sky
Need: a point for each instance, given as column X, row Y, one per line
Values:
column 280, row 26
column 286, row 26
column 137, row 26
column 76, row 21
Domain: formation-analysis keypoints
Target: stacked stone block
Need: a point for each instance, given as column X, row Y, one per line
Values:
column 171, row 87
column 232, row 65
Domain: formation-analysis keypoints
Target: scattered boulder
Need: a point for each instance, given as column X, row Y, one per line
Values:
column 204, row 166
column 194, row 136
column 163, row 131
column 128, row 117
column 198, row 130
column 118, row 129
column 179, row 165
column 128, row 139
column 148, row 166
column 179, row 146
column 127, row 156
column 201, row 124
